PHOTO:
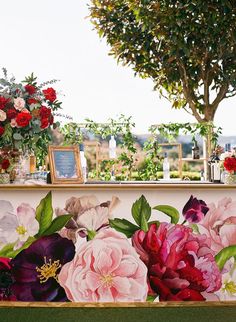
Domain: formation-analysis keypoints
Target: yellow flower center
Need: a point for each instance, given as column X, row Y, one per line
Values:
column 21, row 230
column 107, row 280
column 48, row 270
column 230, row 287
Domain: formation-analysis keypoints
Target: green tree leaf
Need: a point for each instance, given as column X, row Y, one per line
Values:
column 141, row 212
column 44, row 213
column 57, row 224
column 123, row 226
column 224, row 255
column 169, row 211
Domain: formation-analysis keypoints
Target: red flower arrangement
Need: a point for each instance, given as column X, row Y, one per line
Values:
column 7, row 159
column 230, row 164
column 25, row 109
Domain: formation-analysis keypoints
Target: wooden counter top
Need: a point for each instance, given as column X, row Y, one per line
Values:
column 119, row 186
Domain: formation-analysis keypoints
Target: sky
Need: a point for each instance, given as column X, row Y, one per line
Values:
column 55, row 40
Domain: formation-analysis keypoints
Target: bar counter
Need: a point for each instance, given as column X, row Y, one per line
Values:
column 174, row 194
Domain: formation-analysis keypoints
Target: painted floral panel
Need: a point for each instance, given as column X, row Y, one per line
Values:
column 82, row 254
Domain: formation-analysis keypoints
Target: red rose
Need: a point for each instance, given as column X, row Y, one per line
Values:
column 32, row 101
column 44, row 123
column 44, row 112
column 11, row 113
column 5, row 164
column 230, row 164
column 30, row 89
column 50, row 94
column 3, row 102
column 2, row 130
column 23, row 119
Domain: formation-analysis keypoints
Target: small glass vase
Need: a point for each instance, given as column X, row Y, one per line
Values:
column 4, row 178
column 230, row 178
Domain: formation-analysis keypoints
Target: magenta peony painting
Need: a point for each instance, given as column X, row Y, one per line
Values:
column 81, row 253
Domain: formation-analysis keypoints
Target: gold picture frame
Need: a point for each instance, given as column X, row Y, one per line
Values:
column 64, row 164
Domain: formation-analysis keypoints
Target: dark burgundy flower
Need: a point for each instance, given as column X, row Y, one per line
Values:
column 194, row 210
column 30, row 89
column 5, row 280
column 50, row 94
column 2, row 130
column 36, row 268
column 11, row 113
column 180, row 264
column 3, row 102
column 5, row 164
column 23, row 119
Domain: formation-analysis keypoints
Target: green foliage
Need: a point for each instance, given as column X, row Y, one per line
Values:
column 152, row 163
column 224, row 255
column 188, row 48
column 170, row 131
column 72, row 133
column 123, row 226
column 44, row 215
column 9, row 251
column 141, row 212
column 169, row 211
column 57, row 224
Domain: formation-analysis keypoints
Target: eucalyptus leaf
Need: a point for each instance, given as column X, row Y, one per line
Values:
column 17, row 136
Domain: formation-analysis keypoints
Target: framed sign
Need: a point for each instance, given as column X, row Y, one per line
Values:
column 64, row 163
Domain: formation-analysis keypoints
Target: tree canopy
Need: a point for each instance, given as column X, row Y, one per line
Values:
column 188, row 48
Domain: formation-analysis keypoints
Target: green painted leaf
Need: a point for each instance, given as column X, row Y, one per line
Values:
column 91, row 234
column 169, row 211
column 6, row 249
column 9, row 252
column 224, row 255
column 151, row 298
column 44, row 214
column 154, row 222
column 57, row 224
column 123, row 226
column 141, row 212
column 195, row 228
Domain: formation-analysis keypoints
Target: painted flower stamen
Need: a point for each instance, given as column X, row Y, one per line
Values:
column 21, row 230
column 48, row 270
column 230, row 287
column 107, row 280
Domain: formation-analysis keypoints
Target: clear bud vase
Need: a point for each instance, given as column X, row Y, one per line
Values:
column 230, row 178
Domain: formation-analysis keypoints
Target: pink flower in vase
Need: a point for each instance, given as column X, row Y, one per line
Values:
column 19, row 103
